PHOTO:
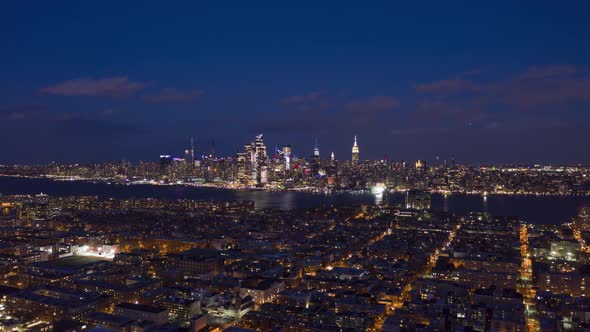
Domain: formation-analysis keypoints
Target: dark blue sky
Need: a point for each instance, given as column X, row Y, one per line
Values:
column 502, row 81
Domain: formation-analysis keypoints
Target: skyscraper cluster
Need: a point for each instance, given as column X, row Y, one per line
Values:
column 253, row 163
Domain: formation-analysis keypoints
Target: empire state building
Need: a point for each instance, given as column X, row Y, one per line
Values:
column 355, row 151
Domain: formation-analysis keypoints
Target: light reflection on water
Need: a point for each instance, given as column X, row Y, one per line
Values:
column 535, row 209
column 378, row 199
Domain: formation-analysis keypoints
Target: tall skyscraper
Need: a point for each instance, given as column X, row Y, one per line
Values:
column 245, row 165
column 191, row 151
column 355, row 151
column 253, row 163
column 260, row 160
column 332, row 157
column 316, row 149
column 287, row 156
column 165, row 160
column 315, row 160
column 212, row 150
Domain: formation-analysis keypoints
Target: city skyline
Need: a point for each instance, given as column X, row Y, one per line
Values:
column 306, row 166
column 194, row 149
column 414, row 81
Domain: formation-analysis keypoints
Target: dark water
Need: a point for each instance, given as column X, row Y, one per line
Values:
column 534, row 209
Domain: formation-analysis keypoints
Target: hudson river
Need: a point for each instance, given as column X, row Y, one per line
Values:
column 533, row 209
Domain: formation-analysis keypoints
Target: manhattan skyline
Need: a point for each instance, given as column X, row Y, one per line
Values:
column 503, row 83
column 309, row 166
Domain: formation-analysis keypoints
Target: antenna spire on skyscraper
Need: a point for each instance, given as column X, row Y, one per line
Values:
column 355, row 151
column 192, row 150
column 316, row 149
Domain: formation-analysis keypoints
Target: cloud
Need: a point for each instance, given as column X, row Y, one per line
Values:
column 473, row 72
column 171, row 95
column 373, row 104
column 109, row 86
column 325, row 109
column 316, row 101
column 85, row 127
column 418, row 131
column 320, row 101
column 23, row 112
column 538, row 86
column 107, row 112
column 447, row 86
column 294, row 125
column 530, row 93
column 464, row 110
column 303, row 99
column 536, row 72
column 46, row 115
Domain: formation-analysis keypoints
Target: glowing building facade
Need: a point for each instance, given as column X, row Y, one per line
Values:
column 355, row 151
column 253, row 163
column 287, row 156
column 315, row 160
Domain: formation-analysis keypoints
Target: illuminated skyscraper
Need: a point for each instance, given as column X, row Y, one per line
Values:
column 261, row 160
column 355, row 151
column 315, row 160
column 316, row 149
column 192, row 150
column 332, row 158
column 212, row 150
column 253, row 163
column 287, row 156
column 260, row 147
column 189, row 154
column 246, row 169
column 165, row 160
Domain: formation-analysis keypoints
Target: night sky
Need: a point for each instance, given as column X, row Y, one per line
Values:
column 487, row 81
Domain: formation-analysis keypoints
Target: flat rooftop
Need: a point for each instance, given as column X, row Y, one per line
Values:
column 73, row 261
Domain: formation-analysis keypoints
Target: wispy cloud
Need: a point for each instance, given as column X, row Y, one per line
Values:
column 47, row 115
column 418, row 131
column 373, row 104
column 304, row 98
column 315, row 101
column 321, row 101
column 549, row 71
column 536, row 87
column 23, row 112
column 447, row 86
column 473, row 72
column 463, row 110
column 109, row 86
column 97, row 127
column 171, row 95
